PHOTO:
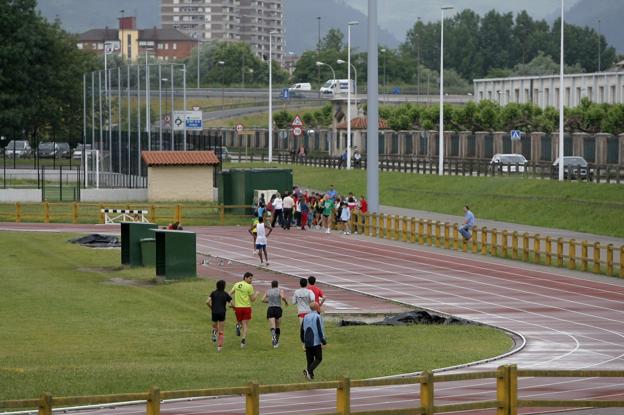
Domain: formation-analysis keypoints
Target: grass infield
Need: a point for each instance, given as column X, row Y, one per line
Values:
column 66, row 330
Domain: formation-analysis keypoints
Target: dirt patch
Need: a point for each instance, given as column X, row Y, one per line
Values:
column 102, row 270
column 131, row 283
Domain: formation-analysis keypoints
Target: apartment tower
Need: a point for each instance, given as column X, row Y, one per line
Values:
column 249, row 21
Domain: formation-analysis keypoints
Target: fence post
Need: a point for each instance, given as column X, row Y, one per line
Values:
column 536, row 248
column 622, row 262
column 597, row 257
column 252, row 399
column 45, row 404
column 513, row 390
column 502, row 390
column 153, row 401
column 426, row 392
column 473, row 241
column 152, row 214
column 584, row 256
column 610, row 259
column 397, row 228
column 493, row 245
column 548, row 251
column 373, row 225
column 514, row 245
column 560, row 252
column 343, row 397
column 389, row 230
column 101, row 214
column 413, row 230
column 455, row 237
column 525, row 247
column 404, row 229
column 421, row 231
column 222, row 214
column 572, row 254
column 46, row 212
column 382, row 226
column 447, row 235
column 438, row 226
column 505, row 235
column 366, row 224
column 178, row 213
column 75, row 212
column 484, row 241
column 429, row 233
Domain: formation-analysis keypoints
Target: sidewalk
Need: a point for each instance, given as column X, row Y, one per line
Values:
column 520, row 228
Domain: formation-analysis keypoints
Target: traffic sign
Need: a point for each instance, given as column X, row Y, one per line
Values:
column 240, row 128
column 297, row 131
column 285, row 94
column 516, row 134
column 297, row 122
column 189, row 120
column 283, row 134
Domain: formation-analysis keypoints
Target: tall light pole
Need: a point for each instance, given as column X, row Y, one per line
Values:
column 353, row 23
column 372, row 131
column 384, row 65
column 318, row 53
column 441, row 137
column 271, row 33
column 319, row 64
column 561, row 62
column 198, row 56
column 222, row 64
column 599, row 45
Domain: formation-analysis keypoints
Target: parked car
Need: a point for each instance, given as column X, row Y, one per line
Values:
column 63, row 150
column 509, row 163
column 79, row 149
column 574, row 167
column 223, row 154
column 47, row 149
column 18, row 149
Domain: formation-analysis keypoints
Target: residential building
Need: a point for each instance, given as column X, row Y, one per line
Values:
column 600, row 87
column 132, row 43
column 249, row 21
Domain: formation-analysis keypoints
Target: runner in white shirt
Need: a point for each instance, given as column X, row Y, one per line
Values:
column 262, row 234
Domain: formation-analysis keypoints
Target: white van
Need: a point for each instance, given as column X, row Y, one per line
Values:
column 337, row 87
column 302, row 86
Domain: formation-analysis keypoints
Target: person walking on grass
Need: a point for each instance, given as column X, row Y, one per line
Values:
column 312, row 335
column 469, row 221
column 302, row 298
column 319, row 295
column 244, row 295
column 274, row 297
column 217, row 301
column 261, row 239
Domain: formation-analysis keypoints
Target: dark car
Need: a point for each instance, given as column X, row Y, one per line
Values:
column 63, row 150
column 47, row 149
column 574, row 167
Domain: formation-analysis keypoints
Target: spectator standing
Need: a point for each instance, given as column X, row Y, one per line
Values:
column 260, row 208
column 304, row 209
column 362, row 209
column 288, row 204
column 274, row 297
column 469, row 221
column 301, row 154
column 332, row 192
column 357, row 159
column 302, row 298
column 217, row 301
column 328, row 209
column 278, row 214
column 342, row 162
column 345, row 217
column 244, row 295
column 312, row 335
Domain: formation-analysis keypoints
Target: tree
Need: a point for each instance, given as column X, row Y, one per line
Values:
column 333, row 41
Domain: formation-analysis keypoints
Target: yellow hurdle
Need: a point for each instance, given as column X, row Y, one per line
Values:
column 584, row 256
column 421, row 231
column 548, row 251
column 536, row 248
column 413, row 230
column 438, row 226
column 373, row 224
column 525, row 247
column 484, row 241
column 610, row 259
column 514, row 245
column 572, row 254
column 455, row 236
column 494, row 245
column 343, row 397
column 46, row 212
column 473, row 240
column 560, row 252
column 252, row 399
column 504, row 243
column 597, row 257
column 429, row 233
column 404, row 229
column 153, row 402
column 447, row 232
column 397, row 227
column 426, row 393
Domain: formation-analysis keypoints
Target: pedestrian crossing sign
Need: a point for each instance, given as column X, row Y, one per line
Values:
column 297, row 122
column 516, row 134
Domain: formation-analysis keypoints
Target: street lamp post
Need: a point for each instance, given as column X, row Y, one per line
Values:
column 198, row 56
column 353, row 23
column 441, row 137
column 384, row 77
column 222, row 64
column 599, row 45
column 271, row 33
column 561, row 62
column 319, row 64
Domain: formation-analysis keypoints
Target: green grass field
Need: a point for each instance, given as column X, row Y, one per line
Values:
column 577, row 206
column 68, row 331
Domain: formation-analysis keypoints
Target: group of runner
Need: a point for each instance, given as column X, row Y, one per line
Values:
column 308, row 299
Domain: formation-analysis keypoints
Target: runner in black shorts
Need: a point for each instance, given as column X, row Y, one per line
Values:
column 274, row 296
column 218, row 301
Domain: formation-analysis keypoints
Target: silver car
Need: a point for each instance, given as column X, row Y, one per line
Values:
column 509, row 163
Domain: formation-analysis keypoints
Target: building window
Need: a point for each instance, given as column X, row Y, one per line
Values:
column 601, row 97
column 100, row 46
column 567, row 97
column 590, row 93
column 613, row 94
column 166, row 46
column 79, row 45
column 175, row 46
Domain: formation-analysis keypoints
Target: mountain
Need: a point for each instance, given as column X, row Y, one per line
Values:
column 301, row 19
column 609, row 12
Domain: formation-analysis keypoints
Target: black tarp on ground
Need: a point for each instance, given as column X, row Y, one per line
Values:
column 95, row 240
column 410, row 317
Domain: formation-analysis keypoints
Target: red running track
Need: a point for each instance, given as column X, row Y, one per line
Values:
column 569, row 320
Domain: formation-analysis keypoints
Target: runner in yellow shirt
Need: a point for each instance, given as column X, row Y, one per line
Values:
column 244, row 294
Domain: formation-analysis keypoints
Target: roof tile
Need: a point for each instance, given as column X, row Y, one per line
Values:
column 179, row 158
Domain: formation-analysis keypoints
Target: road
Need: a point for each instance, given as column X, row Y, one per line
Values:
column 569, row 320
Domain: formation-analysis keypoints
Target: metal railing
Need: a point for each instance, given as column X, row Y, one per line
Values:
column 506, row 377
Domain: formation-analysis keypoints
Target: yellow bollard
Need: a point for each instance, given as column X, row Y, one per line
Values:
column 426, row 393
column 75, row 212
column 382, row 226
column 484, row 241
column 252, row 399
column 404, row 229
column 447, row 238
column 421, row 231
column 413, row 230
column 438, row 226
column 46, row 212
column 18, row 212
column 343, row 397
column 397, row 228
column 514, row 245
column 559, row 252
column 373, row 225
column 548, row 251
column 494, row 245
column 537, row 251
column 505, row 235
column 473, row 241
column 429, row 233
column 455, row 237
column 584, row 256
column 389, row 227
column 572, row 254
column 610, row 259
column 597, row 257
column 525, row 247
column 45, row 404
column 153, row 401
column 367, row 220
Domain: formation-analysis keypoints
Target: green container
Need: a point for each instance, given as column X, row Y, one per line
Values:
column 148, row 252
column 131, row 235
column 236, row 186
column 175, row 254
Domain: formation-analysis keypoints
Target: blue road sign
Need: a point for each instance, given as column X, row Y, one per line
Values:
column 284, row 94
column 516, row 134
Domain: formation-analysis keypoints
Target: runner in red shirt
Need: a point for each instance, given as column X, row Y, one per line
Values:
column 319, row 295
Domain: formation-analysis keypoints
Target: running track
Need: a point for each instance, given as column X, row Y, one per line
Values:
column 569, row 320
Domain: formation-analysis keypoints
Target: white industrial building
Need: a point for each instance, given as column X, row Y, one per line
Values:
column 600, row 87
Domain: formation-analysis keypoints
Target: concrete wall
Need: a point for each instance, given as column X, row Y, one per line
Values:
column 175, row 183
column 20, row 195
column 113, row 195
